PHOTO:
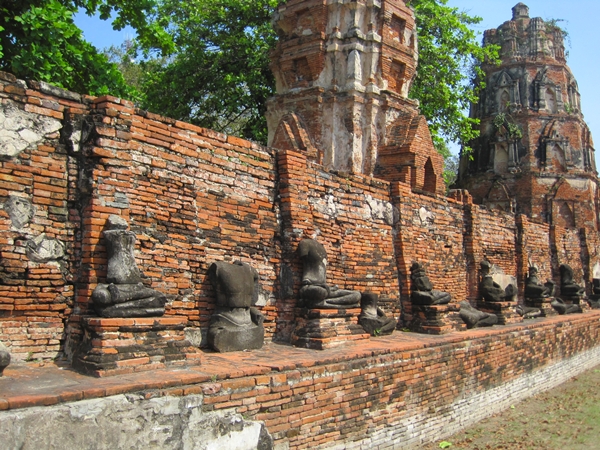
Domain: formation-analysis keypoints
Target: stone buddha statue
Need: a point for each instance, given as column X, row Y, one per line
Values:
column 123, row 294
column 568, row 288
column 235, row 324
column 490, row 290
column 315, row 292
column 373, row 319
column 422, row 292
column 534, row 289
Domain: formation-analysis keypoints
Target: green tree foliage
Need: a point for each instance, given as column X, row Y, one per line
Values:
column 213, row 65
column 449, row 59
column 219, row 77
column 39, row 40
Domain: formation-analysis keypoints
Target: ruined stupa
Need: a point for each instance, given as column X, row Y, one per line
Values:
column 535, row 154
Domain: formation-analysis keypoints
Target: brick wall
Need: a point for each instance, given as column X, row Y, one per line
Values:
column 408, row 397
column 191, row 195
column 351, row 216
column 194, row 196
column 39, row 169
column 430, row 230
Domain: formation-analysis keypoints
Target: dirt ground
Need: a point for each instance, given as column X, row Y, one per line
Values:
column 565, row 418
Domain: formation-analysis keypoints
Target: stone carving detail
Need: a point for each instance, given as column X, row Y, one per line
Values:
column 43, row 249
column 422, row 292
column 495, row 286
column 20, row 210
column 4, row 358
column 475, row 318
column 569, row 290
column 235, row 325
column 124, row 295
column 373, row 319
column 315, row 292
column 534, row 289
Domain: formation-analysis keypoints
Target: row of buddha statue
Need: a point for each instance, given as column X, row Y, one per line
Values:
column 236, row 324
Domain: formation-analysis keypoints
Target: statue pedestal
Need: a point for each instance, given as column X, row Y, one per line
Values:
column 543, row 304
column 112, row 346
column 326, row 328
column 506, row 311
column 436, row 319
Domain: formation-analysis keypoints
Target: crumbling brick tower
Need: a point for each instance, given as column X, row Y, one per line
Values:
column 343, row 72
column 535, row 154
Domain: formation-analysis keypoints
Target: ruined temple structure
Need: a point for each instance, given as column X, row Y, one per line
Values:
column 343, row 73
column 535, row 154
column 225, row 242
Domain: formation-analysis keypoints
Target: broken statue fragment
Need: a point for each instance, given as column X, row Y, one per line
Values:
column 372, row 318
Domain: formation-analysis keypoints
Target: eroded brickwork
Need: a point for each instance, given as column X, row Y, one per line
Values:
column 193, row 196
column 39, row 220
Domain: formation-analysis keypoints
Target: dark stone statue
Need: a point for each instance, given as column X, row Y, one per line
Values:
column 315, row 292
column 490, row 290
column 124, row 295
column 534, row 289
column 568, row 288
column 475, row 318
column 422, row 292
column 373, row 319
column 4, row 358
column 565, row 308
column 235, row 325
column 528, row 312
column 594, row 299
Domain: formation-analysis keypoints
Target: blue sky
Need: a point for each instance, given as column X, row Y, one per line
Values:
column 580, row 20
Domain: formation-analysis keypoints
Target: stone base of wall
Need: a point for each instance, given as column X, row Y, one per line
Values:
column 397, row 391
column 121, row 346
column 326, row 328
column 506, row 311
column 436, row 319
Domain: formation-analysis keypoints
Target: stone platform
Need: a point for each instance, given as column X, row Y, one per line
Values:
column 292, row 390
column 326, row 328
column 117, row 346
column 436, row 319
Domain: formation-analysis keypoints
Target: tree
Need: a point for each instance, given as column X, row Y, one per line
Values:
column 230, row 41
column 207, row 61
column 39, row 40
column 449, row 62
column 220, row 76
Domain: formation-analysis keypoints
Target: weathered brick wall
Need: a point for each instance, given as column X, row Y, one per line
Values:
column 191, row 195
column 567, row 249
column 534, row 248
column 194, row 196
column 492, row 236
column 351, row 216
column 430, row 230
column 38, row 246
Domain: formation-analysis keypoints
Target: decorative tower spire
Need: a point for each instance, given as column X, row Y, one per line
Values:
column 535, row 154
column 343, row 71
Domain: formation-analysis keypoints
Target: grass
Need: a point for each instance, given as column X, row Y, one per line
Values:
column 565, row 418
